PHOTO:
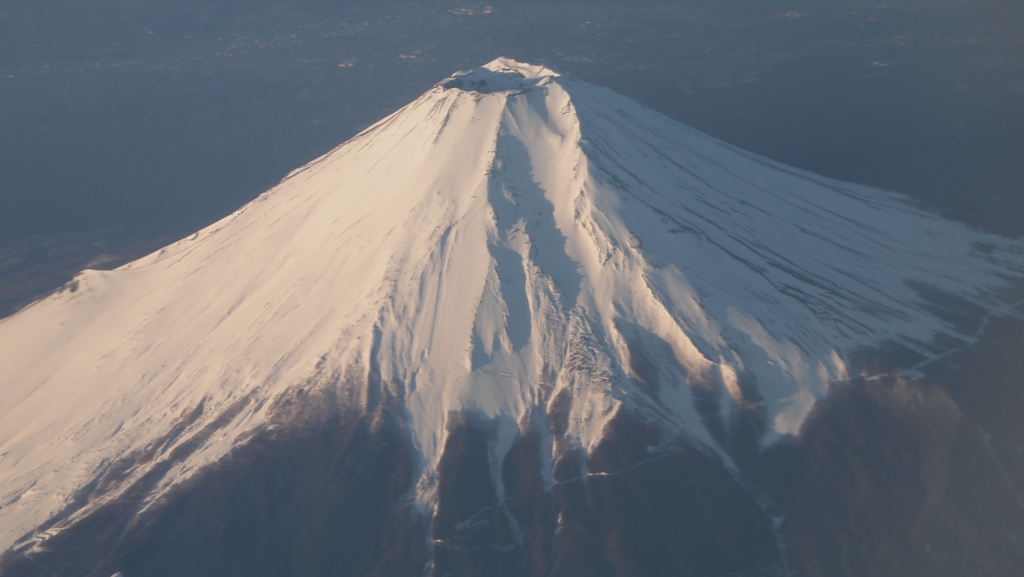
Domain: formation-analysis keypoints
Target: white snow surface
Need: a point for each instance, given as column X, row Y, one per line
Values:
column 485, row 247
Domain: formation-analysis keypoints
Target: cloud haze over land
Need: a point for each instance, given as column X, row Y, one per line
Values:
column 171, row 114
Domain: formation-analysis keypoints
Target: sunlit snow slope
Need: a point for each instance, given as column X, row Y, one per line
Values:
column 510, row 234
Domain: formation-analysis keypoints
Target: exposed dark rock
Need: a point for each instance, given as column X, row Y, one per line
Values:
column 888, row 477
column 625, row 511
column 472, row 532
column 534, row 509
column 867, row 488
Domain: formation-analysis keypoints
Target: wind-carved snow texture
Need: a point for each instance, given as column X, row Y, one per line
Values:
column 511, row 235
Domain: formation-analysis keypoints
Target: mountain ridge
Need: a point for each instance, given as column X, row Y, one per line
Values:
column 512, row 238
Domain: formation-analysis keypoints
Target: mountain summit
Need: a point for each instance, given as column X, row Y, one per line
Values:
column 515, row 255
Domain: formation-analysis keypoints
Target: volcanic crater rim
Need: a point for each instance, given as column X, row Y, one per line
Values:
column 500, row 75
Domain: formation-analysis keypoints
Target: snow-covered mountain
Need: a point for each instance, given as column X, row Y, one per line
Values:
column 516, row 245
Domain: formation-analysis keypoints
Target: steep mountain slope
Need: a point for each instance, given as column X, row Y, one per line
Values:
column 515, row 257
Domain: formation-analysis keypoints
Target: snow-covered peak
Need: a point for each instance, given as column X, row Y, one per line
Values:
column 500, row 75
column 490, row 253
column 529, row 71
